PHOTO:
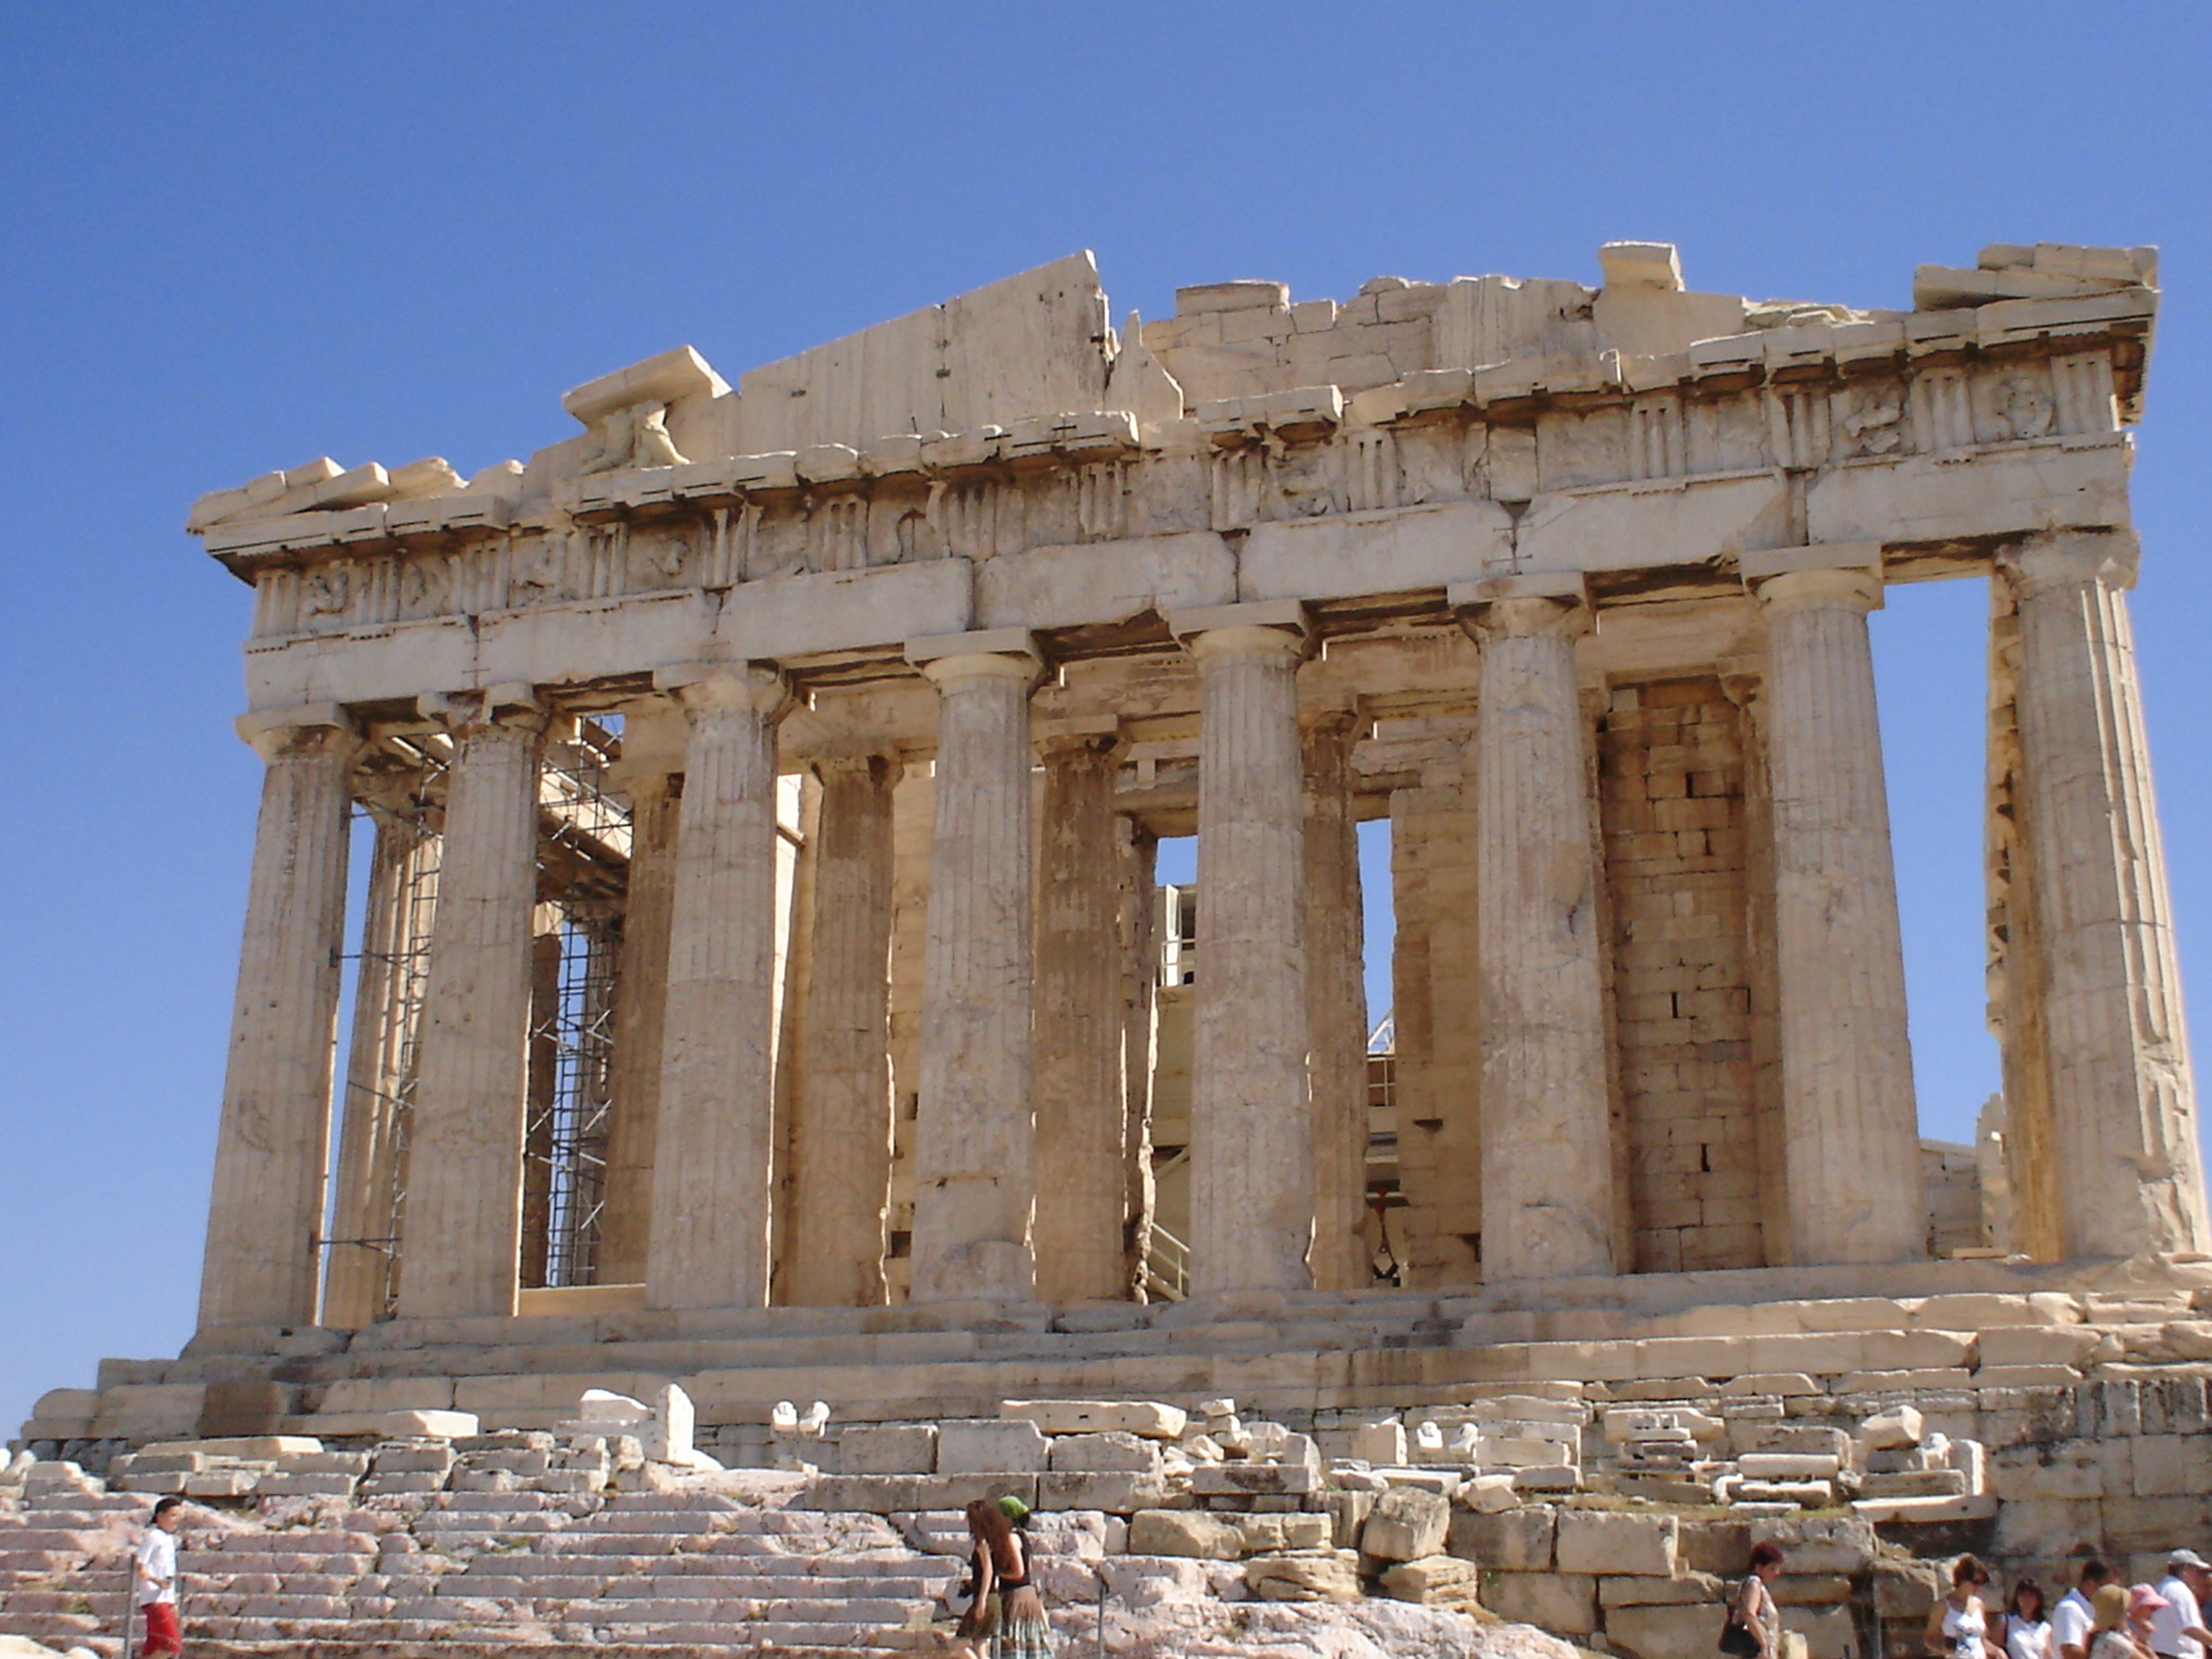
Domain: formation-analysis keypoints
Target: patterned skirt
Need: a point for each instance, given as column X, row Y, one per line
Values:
column 1023, row 1632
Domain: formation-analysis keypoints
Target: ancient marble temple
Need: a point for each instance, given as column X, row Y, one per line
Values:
column 762, row 784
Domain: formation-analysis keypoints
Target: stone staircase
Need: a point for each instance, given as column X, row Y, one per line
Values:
column 642, row 1570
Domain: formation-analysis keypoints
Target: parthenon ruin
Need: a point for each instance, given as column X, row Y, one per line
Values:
column 765, row 780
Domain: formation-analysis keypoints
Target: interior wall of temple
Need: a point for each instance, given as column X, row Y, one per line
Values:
column 1439, row 1049
column 1672, row 809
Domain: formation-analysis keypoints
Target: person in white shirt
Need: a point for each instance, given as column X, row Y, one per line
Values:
column 2177, row 1628
column 2072, row 1618
column 154, row 1579
column 2027, row 1627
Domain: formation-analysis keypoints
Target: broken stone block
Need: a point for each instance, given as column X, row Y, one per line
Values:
column 1380, row 1442
column 990, row 1446
column 1117, row 1452
column 1488, row 1494
column 1230, row 1479
column 1405, row 1525
column 1347, row 1513
column 888, row 1449
column 1272, row 1534
column 1142, row 1417
column 1564, row 1603
column 1898, row 1426
column 1317, row 1575
column 1788, row 1466
column 1657, row 1631
column 1915, row 1483
column 1186, row 1532
column 1598, row 1541
column 1433, row 1581
column 1518, row 1541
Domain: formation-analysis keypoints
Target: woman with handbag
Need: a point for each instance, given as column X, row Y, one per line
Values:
column 1007, row 1609
column 1754, row 1627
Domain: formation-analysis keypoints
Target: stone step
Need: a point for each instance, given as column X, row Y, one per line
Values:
column 103, row 1603
column 41, row 1561
column 41, row 1626
column 745, row 1612
column 92, row 1541
column 284, row 1565
column 282, row 1583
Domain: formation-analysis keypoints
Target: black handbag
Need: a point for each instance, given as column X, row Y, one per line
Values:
column 1736, row 1638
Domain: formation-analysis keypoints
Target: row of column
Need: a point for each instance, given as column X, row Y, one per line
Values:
column 1003, row 1123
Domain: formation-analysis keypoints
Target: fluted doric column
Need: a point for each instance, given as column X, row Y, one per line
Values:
column 1852, row 1135
column 973, row 1140
column 2123, row 1104
column 1251, row 1104
column 273, row 1146
column 461, row 1236
column 387, row 1014
column 653, row 738
column 1548, row 1185
column 1081, row 1104
column 841, row 1129
column 713, row 1148
column 1336, row 1003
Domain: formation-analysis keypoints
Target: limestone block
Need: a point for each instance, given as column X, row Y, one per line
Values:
column 990, row 1446
column 836, row 610
column 1682, row 1589
column 1493, row 1452
column 1488, row 1494
column 388, row 1394
column 1230, row 1479
column 212, row 1484
column 1608, row 527
column 1927, row 1511
column 1900, row 1426
column 1557, row 1478
column 1185, row 1532
column 1788, row 1466
column 2042, row 487
column 1433, row 1581
column 2035, row 1345
column 1811, row 1589
column 1595, row 1540
column 1819, row 1544
column 252, row 1448
column 1829, row 1632
column 1115, row 1451
column 148, row 1410
column 1626, row 1422
column 1658, row 1631
column 1104, row 581
column 1380, row 1442
column 1272, row 1534
column 1906, row 1590
column 1328, row 558
column 1111, row 1491
column 1915, row 1483
column 1523, row 1408
column 398, row 1425
column 1406, row 1524
column 1514, row 1541
column 888, row 1449
column 1316, row 1575
column 1145, row 1419
column 1564, row 1603
column 1347, row 1513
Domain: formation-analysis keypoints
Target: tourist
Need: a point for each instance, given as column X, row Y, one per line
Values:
column 1957, row 1624
column 2177, row 1628
column 2144, row 1605
column 1007, row 1608
column 154, row 1579
column 2110, row 1637
column 2027, row 1629
column 2075, row 1619
column 1754, row 1613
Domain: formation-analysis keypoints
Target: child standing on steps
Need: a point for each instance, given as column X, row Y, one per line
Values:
column 154, row 1579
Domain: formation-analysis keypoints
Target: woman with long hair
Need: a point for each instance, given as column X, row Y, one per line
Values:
column 2027, row 1625
column 1958, row 1623
column 1007, row 1607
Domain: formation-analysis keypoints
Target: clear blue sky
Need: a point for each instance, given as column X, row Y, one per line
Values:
column 233, row 237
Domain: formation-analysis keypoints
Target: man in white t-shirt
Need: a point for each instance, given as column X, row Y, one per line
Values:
column 2177, row 1628
column 2074, row 1618
column 154, row 1579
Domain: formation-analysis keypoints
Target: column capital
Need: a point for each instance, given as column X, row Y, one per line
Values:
column 1079, row 734
column 311, row 728
column 856, row 761
column 653, row 729
column 723, row 688
column 1544, row 602
column 1271, row 629
column 2060, row 558
column 986, row 653
column 1829, row 589
column 514, row 708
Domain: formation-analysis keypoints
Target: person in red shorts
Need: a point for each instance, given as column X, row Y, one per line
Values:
column 154, row 1579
